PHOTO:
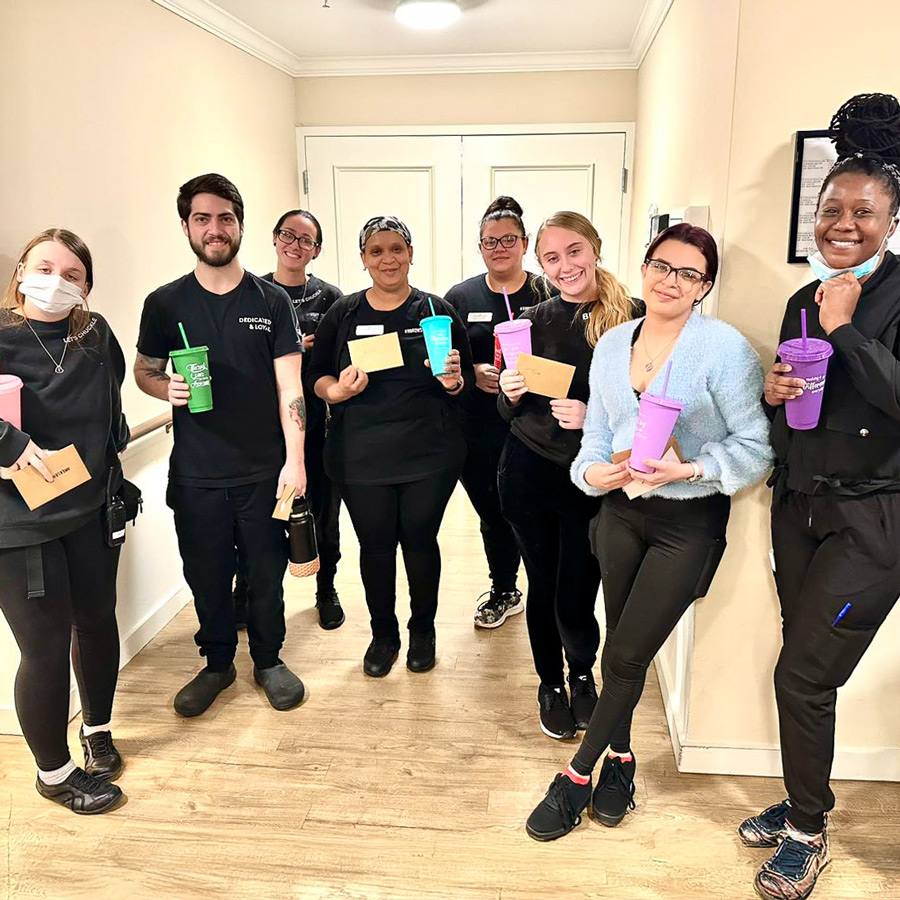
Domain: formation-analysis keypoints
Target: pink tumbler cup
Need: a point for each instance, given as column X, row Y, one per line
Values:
column 515, row 338
column 656, row 422
column 808, row 360
column 11, row 400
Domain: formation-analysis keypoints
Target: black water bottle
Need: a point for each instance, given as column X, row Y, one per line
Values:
column 303, row 552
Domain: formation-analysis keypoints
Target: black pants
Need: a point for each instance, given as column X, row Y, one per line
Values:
column 479, row 478
column 209, row 522
column 829, row 551
column 657, row 557
column 325, row 503
column 80, row 602
column 410, row 514
column 551, row 518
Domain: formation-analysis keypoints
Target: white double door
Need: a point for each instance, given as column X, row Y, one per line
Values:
column 440, row 185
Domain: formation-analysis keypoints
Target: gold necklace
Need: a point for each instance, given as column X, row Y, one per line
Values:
column 58, row 366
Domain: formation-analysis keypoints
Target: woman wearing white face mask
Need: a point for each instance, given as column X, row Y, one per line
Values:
column 57, row 570
column 836, row 499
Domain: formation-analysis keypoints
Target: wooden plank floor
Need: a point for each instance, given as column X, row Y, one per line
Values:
column 414, row 787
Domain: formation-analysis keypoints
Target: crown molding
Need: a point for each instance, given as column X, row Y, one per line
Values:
column 212, row 18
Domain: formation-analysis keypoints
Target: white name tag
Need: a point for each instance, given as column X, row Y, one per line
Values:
column 369, row 330
column 480, row 317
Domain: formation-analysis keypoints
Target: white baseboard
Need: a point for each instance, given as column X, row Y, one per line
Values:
column 850, row 763
column 130, row 645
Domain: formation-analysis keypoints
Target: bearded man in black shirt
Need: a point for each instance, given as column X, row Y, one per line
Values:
column 231, row 462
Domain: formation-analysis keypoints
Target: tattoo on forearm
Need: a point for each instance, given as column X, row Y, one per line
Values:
column 151, row 367
column 297, row 407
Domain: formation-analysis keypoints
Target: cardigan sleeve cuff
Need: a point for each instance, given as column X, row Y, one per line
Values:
column 712, row 471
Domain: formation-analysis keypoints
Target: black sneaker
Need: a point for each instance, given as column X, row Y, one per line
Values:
column 380, row 657
column 420, row 655
column 498, row 607
column 583, row 692
column 560, row 810
column 614, row 794
column 557, row 720
column 792, row 871
column 328, row 606
column 198, row 694
column 768, row 828
column 82, row 793
column 101, row 759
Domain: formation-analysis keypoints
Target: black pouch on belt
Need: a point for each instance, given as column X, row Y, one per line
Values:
column 114, row 515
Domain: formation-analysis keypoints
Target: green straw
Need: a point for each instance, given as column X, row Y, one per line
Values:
column 187, row 346
column 431, row 304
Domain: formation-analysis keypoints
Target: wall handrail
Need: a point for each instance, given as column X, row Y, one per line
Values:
column 161, row 421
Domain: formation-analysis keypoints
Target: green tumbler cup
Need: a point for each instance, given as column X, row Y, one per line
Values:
column 193, row 365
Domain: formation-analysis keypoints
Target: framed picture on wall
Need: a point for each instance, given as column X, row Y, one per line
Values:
column 814, row 155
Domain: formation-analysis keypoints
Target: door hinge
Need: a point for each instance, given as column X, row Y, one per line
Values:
column 306, row 181
column 624, row 180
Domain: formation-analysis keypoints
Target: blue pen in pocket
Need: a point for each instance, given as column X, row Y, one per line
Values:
column 841, row 614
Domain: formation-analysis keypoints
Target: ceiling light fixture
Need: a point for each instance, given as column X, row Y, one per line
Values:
column 427, row 15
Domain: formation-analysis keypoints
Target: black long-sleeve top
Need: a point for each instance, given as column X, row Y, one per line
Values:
column 403, row 426
column 855, row 448
column 81, row 405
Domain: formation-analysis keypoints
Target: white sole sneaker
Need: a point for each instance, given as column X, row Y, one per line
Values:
column 512, row 611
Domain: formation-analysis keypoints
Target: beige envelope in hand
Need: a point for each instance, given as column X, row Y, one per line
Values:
column 68, row 471
column 375, row 354
column 546, row 377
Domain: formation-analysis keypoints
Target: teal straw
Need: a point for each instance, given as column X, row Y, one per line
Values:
column 431, row 304
column 187, row 346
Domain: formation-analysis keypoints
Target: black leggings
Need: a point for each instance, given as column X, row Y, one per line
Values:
column 657, row 556
column 410, row 514
column 79, row 600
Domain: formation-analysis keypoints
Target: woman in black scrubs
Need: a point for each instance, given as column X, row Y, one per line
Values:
column 57, row 570
column 395, row 447
column 549, row 515
column 479, row 301
column 836, row 500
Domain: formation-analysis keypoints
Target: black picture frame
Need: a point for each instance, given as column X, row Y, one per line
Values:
column 800, row 147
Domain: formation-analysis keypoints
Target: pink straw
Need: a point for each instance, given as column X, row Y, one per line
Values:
column 506, row 300
column 803, row 326
column 666, row 378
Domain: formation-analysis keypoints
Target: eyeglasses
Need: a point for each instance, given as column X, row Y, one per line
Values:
column 288, row 238
column 508, row 241
column 687, row 276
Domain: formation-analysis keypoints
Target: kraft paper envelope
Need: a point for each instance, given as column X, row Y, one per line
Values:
column 374, row 354
column 68, row 471
column 284, row 505
column 545, row 376
column 637, row 488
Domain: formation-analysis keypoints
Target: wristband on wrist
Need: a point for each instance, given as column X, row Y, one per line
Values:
column 698, row 472
column 456, row 388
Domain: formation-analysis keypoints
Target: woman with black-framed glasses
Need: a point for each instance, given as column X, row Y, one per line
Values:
column 297, row 238
column 479, row 300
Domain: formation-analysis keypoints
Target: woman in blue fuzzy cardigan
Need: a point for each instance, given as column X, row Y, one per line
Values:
column 659, row 552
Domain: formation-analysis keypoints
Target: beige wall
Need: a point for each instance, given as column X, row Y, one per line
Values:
column 489, row 99
column 109, row 105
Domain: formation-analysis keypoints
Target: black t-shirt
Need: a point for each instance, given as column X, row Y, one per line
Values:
column 310, row 302
column 239, row 441
column 557, row 333
column 404, row 426
column 481, row 309
column 80, row 405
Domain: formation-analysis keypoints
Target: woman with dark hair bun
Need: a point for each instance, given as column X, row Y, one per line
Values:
column 836, row 498
column 658, row 552
column 297, row 238
column 58, row 562
column 503, row 243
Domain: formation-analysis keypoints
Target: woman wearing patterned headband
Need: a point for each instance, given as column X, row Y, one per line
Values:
column 394, row 447
column 836, row 503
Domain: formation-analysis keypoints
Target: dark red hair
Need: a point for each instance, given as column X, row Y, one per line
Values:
column 700, row 238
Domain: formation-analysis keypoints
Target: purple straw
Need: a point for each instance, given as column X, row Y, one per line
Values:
column 666, row 378
column 803, row 326
column 506, row 300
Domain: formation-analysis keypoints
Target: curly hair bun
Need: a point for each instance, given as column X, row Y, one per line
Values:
column 504, row 204
column 868, row 124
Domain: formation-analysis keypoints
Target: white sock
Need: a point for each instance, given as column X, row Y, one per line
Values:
column 88, row 730
column 803, row 836
column 57, row 776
